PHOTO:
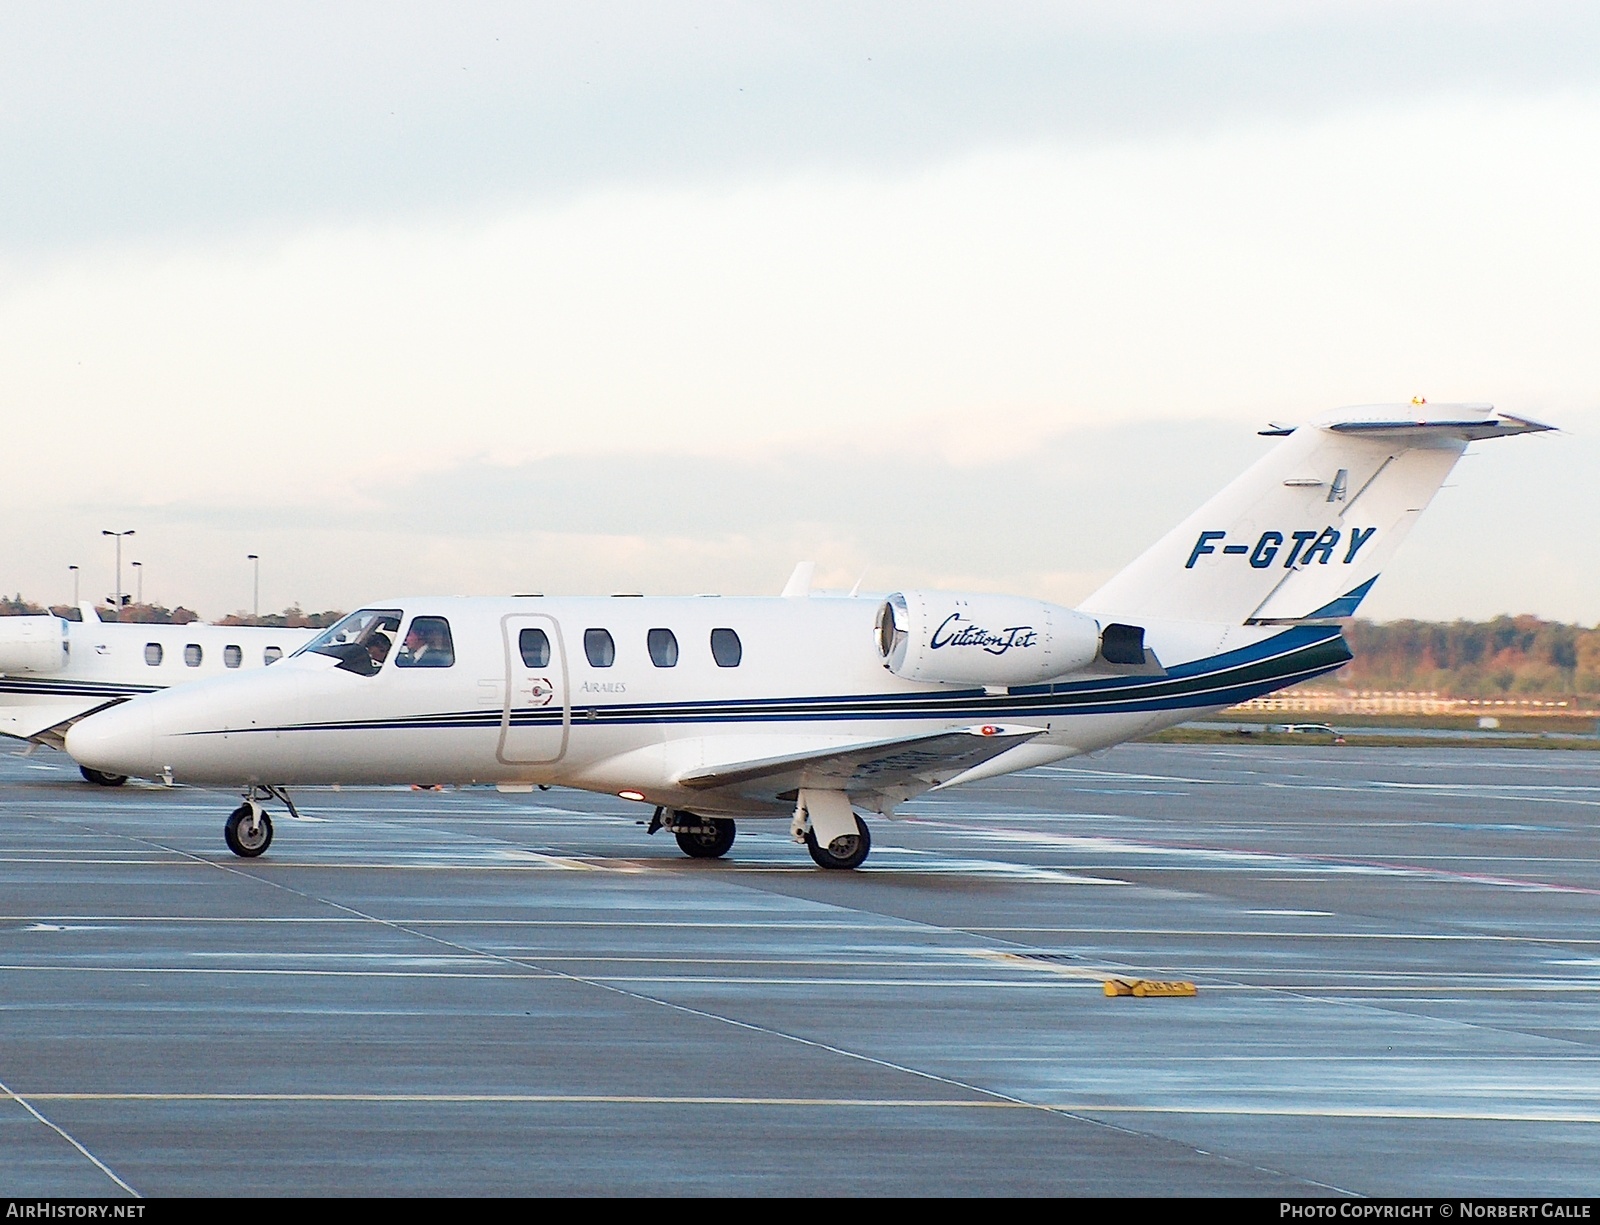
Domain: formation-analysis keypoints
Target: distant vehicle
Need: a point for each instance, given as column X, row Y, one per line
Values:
column 809, row 708
column 1297, row 728
column 54, row 671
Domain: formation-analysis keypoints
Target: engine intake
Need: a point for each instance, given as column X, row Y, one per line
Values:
column 32, row 644
column 958, row 639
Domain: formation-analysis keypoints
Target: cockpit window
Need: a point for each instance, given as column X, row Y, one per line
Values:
column 361, row 642
column 427, row 645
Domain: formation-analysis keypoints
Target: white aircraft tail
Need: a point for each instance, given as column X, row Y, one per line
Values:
column 1304, row 532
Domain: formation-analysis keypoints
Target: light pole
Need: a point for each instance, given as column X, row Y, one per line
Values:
column 119, row 536
column 138, row 569
column 74, row 570
column 255, row 607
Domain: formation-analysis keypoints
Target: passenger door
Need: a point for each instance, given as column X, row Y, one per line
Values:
column 537, row 716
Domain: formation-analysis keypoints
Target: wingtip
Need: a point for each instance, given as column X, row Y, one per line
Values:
column 1527, row 425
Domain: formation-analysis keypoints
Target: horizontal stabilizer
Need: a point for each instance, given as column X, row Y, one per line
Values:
column 1501, row 425
column 919, row 761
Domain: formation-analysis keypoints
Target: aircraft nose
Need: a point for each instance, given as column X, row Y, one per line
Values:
column 120, row 740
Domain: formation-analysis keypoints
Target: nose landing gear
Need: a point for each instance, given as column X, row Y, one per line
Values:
column 248, row 830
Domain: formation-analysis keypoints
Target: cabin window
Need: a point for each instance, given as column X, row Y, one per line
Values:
column 232, row 657
column 192, row 655
column 535, row 647
column 597, row 645
column 360, row 642
column 271, row 655
column 726, row 648
column 152, row 654
column 428, row 645
column 663, row 648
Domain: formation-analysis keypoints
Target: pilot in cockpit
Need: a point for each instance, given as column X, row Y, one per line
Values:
column 414, row 648
column 427, row 645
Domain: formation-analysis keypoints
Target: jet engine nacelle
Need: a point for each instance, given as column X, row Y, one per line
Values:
column 32, row 644
column 990, row 640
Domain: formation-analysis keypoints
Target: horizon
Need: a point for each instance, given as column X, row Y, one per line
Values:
column 10, row 605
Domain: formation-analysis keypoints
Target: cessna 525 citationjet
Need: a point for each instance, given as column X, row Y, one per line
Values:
column 817, row 708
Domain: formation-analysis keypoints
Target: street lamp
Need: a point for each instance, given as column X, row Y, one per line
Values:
column 256, row 603
column 119, row 536
column 138, row 569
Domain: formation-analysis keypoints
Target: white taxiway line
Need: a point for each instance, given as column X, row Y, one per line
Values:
column 1079, row 1109
column 100, row 1165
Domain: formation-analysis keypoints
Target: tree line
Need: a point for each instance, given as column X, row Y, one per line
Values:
column 1507, row 657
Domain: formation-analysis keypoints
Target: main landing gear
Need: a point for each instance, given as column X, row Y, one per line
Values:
column 838, row 846
column 698, row 837
column 248, row 830
column 846, row 851
column 100, row 778
column 826, row 822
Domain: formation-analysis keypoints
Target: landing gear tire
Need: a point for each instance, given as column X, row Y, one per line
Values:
column 708, row 846
column 247, row 838
column 850, row 851
column 100, row 778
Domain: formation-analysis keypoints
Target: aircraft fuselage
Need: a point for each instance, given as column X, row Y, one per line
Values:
column 633, row 694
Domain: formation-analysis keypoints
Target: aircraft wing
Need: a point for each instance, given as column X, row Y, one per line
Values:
column 47, row 722
column 896, row 768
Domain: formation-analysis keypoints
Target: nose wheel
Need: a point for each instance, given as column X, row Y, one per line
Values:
column 248, row 831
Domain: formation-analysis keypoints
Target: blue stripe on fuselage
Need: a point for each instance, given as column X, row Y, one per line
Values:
column 32, row 687
column 1297, row 654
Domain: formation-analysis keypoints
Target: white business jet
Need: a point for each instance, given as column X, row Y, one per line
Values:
column 817, row 708
column 54, row 671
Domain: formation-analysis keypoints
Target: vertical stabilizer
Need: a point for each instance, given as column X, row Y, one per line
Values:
column 1303, row 534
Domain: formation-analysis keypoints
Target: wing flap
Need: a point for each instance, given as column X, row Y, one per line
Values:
column 871, row 766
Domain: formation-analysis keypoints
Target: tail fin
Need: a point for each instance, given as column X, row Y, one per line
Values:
column 1303, row 534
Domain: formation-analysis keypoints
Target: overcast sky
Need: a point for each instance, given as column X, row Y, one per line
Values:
column 577, row 298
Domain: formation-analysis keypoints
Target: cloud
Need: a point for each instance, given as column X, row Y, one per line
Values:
column 1280, row 271
column 1001, row 363
column 122, row 122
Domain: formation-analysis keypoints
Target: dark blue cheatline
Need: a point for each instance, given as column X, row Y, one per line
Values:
column 1297, row 654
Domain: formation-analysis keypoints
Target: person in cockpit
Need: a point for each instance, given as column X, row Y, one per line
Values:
column 378, row 647
column 427, row 645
